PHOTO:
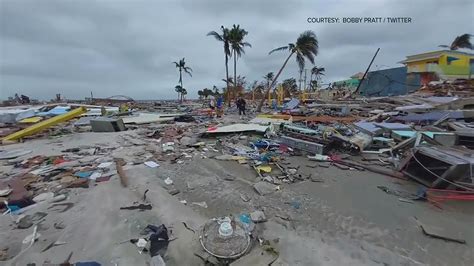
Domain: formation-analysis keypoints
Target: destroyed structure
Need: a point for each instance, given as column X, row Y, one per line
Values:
column 239, row 178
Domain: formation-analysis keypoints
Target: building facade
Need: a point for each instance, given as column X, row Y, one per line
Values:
column 441, row 65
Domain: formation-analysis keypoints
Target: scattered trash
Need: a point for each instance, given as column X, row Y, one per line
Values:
column 151, row 164
column 224, row 238
column 440, row 233
column 44, row 197
column 5, row 192
column 104, row 165
column 141, row 207
column 168, row 181
column 29, row 239
column 200, row 204
column 264, row 188
column 11, row 154
column 258, row 217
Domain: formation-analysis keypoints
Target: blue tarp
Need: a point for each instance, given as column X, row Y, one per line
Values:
column 292, row 104
column 57, row 110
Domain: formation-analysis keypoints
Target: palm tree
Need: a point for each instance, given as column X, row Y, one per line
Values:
column 462, row 41
column 184, row 92
column 290, row 87
column 181, row 65
column 237, row 44
column 179, row 90
column 313, row 85
column 306, row 46
column 268, row 78
column 215, row 90
column 224, row 37
column 317, row 72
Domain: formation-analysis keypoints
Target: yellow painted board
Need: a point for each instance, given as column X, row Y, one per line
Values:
column 34, row 119
column 264, row 168
column 46, row 123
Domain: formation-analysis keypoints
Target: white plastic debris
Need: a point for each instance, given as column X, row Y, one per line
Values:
column 168, row 181
column 95, row 175
column 151, row 164
column 200, row 204
column 104, row 165
column 141, row 243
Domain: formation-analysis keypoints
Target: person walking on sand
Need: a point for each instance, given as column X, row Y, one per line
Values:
column 220, row 106
column 241, row 106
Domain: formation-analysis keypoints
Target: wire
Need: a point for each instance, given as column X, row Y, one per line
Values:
column 444, row 179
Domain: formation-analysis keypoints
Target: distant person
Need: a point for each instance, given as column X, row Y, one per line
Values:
column 241, row 106
column 274, row 104
column 220, row 106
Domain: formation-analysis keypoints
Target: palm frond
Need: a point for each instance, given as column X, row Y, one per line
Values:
column 279, row 49
column 246, row 44
column 216, row 35
column 188, row 70
column 462, row 41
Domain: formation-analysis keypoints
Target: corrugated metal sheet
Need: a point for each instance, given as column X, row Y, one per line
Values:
column 388, row 82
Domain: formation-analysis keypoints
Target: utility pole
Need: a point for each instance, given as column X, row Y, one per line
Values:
column 367, row 70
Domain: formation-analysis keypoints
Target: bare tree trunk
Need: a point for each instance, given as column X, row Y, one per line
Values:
column 260, row 105
column 227, row 76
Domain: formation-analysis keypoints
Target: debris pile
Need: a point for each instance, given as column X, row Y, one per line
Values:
column 426, row 139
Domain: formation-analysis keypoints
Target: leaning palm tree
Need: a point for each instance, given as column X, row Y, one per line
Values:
column 181, row 65
column 306, row 46
column 224, row 38
column 237, row 44
column 462, row 41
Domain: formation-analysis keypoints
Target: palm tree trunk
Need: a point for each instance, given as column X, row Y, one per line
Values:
column 301, row 79
column 181, row 82
column 227, row 76
column 259, row 108
column 235, row 73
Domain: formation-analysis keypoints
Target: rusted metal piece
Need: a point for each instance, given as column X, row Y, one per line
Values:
column 123, row 177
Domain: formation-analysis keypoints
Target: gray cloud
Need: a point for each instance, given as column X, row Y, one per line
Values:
column 126, row 47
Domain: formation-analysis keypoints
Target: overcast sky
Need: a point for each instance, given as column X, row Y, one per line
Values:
column 125, row 47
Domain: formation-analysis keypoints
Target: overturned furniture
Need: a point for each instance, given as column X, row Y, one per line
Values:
column 439, row 166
